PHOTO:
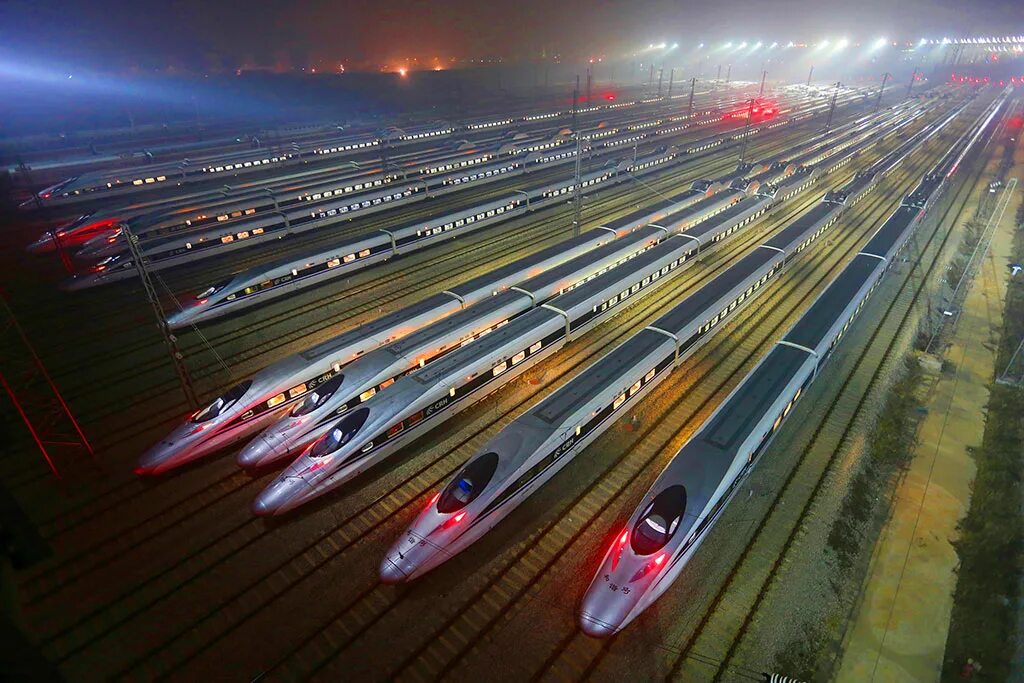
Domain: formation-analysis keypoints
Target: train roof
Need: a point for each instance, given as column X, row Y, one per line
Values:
column 814, row 325
column 518, row 265
column 373, row 326
column 598, row 377
column 732, row 424
column 784, row 238
column 695, row 305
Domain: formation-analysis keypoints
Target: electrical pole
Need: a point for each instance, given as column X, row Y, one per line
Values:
column 885, row 79
column 832, row 108
column 764, row 75
column 589, row 77
column 809, row 74
column 575, row 98
column 746, row 129
column 661, row 77
column 576, row 207
column 671, row 78
column 728, row 73
column 177, row 359
column 913, row 77
column 689, row 108
column 650, row 80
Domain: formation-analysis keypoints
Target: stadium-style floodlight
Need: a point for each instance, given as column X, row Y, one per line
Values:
column 879, row 44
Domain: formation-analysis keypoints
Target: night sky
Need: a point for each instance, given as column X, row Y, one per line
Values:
column 198, row 34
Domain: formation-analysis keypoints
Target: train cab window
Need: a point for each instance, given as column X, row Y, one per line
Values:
column 341, row 434
column 213, row 289
column 468, row 484
column 659, row 521
column 318, row 396
column 221, row 402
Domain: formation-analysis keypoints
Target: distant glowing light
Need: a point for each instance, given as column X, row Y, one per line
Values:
column 402, row 71
column 742, row 45
column 773, row 45
column 727, row 45
column 842, row 44
column 880, row 43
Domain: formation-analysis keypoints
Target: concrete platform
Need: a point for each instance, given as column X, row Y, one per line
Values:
column 900, row 626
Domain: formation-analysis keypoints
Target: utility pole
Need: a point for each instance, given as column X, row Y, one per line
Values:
column 719, row 76
column 671, row 78
column 809, row 74
column 576, row 204
column 885, row 79
column 746, row 129
column 177, row 359
column 650, row 80
column 728, row 73
column 910, row 86
column 589, row 77
column 661, row 77
column 764, row 75
column 832, row 108
column 575, row 98
column 689, row 108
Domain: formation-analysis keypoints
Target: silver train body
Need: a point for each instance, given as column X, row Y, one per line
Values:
column 422, row 400
column 535, row 446
column 185, row 248
column 379, row 370
column 253, row 404
column 675, row 515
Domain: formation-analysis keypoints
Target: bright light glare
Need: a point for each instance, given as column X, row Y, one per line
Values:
column 773, row 46
column 727, row 45
column 402, row 71
column 879, row 44
column 742, row 45
column 842, row 44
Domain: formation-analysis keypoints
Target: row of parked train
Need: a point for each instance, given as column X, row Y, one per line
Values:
column 353, row 401
column 329, row 144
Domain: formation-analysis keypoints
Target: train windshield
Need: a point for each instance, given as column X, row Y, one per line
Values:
column 469, row 483
column 213, row 289
column 317, row 397
column 659, row 522
column 221, row 402
column 341, row 434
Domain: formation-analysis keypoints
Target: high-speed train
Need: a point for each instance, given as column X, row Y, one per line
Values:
column 164, row 252
column 535, row 446
column 379, row 369
column 252, row 404
column 95, row 227
column 675, row 515
column 122, row 182
column 268, row 281
column 423, row 399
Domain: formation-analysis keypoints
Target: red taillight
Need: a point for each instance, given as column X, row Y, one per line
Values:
column 660, row 559
column 458, row 518
column 623, row 540
column 200, row 302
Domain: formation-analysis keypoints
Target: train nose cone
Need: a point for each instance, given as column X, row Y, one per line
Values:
column 43, row 245
column 594, row 627
column 391, row 573
column 179, row 319
column 263, row 450
column 156, row 460
column 282, row 495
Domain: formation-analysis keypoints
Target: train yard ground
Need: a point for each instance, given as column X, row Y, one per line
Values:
column 174, row 578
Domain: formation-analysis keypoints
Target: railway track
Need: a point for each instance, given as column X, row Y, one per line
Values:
column 362, row 516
